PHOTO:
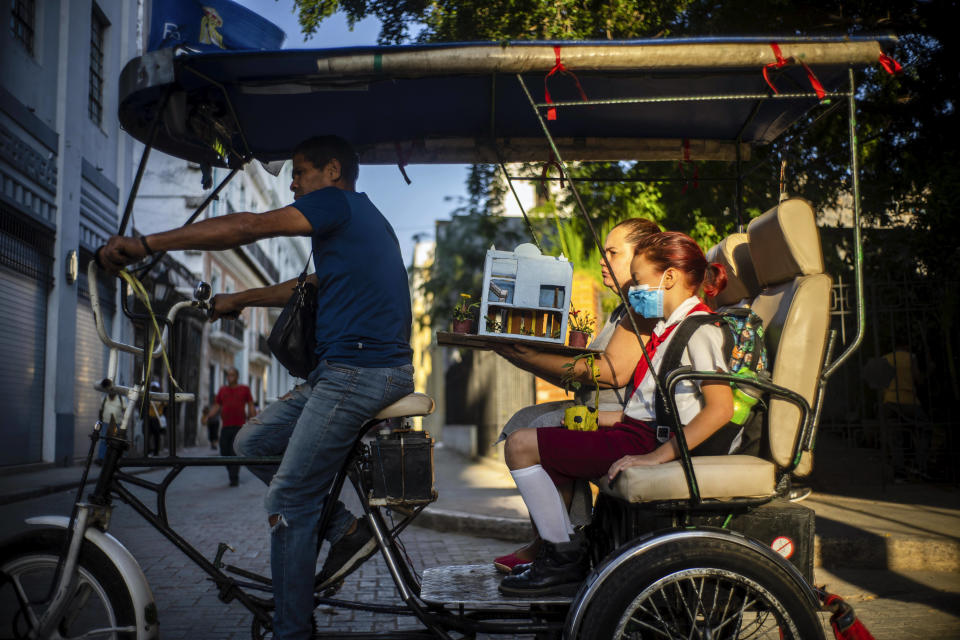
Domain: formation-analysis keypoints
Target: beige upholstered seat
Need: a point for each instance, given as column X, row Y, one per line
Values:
column 795, row 308
column 415, row 404
column 794, row 303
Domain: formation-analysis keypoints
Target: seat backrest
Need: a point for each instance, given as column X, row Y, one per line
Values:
column 733, row 253
column 794, row 304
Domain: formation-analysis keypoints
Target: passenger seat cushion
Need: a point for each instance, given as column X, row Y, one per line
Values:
column 796, row 316
column 718, row 477
column 785, row 243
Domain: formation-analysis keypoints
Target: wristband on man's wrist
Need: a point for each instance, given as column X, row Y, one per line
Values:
column 146, row 247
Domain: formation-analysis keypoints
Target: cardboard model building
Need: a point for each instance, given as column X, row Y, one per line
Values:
column 525, row 294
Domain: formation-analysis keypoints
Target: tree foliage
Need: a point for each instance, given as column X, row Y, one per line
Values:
column 906, row 129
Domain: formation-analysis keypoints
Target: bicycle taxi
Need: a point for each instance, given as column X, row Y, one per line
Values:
column 703, row 547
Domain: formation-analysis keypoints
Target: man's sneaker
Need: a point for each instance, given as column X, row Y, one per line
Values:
column 346, row 555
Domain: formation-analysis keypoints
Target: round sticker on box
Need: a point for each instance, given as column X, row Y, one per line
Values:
column 783, row 545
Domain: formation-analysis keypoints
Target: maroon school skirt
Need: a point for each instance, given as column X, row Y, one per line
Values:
column 567, row 455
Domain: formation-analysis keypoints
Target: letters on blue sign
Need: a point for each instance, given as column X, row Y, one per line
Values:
column 210, row 25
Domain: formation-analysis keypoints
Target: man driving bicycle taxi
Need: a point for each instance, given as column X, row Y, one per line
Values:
column 363, row 334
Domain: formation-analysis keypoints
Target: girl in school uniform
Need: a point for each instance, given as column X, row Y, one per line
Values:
column 668, row 270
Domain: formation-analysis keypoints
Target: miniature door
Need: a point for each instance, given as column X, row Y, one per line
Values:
column 525, row 294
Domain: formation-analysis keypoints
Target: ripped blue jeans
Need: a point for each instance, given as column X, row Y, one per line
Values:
column 314, row 427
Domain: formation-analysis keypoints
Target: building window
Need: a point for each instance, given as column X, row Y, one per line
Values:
column 98, row 28
column 22, row 20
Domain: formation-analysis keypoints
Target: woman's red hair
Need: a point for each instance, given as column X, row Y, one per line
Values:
column 678, row 250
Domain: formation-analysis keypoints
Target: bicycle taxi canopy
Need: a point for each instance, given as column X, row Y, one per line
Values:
column 461, row 103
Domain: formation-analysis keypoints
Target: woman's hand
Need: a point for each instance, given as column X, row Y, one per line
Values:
column 515, row 352
column 644, row 460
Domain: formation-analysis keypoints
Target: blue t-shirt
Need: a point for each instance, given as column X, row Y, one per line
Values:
column 363, row 298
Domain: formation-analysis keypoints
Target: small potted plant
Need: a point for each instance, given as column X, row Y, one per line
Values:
column 581, row 327
column 581, row 417
column 463, row 314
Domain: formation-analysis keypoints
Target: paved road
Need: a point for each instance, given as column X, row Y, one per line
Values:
column 206, row 511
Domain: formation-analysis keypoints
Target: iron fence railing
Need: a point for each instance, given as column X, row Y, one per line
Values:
column 907, row 412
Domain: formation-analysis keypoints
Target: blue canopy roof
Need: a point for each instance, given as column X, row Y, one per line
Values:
column 464, row 102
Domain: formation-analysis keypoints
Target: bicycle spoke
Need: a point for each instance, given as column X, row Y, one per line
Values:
column 24, row 601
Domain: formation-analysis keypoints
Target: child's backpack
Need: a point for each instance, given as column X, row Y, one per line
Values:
column 746, row 351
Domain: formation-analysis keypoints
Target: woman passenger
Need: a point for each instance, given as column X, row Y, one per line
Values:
column 620, row 352
column 668, row 269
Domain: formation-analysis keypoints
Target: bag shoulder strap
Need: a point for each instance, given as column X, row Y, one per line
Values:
column 673, row 354
column 303, row 274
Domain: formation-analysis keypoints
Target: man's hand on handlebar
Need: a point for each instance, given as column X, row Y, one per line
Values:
column 119, row 252
column 225, row 305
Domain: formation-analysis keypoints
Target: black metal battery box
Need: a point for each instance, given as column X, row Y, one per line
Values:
column 401, row 468
column 786, row 527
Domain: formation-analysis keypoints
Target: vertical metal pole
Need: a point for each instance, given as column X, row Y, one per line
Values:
column 857, row 240
column 128, row 209
column 739, row 202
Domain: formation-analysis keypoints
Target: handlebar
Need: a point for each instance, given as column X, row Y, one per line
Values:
column 120, row 346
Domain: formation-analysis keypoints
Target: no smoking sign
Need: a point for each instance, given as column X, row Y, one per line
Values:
column 783, row 545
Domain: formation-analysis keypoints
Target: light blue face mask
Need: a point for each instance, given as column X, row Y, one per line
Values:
column 646, row 301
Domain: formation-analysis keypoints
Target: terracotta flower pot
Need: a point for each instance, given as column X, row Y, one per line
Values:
column 579, row 339
column 463, row 326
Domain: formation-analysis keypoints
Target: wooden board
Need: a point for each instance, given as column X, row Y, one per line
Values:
column 471, row 341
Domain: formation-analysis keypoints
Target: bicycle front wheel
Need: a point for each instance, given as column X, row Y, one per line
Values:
column 100, row 605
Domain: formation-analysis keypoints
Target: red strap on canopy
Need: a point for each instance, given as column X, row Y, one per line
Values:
column 559, row 67
column 890, row 65
column 551, row 162
column 782, row 62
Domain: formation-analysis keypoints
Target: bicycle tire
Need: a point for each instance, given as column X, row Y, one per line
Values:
column 695, row 588
column 29, row 562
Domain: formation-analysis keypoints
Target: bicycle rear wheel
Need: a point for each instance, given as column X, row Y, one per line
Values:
column 701, row 588
column 100, row 604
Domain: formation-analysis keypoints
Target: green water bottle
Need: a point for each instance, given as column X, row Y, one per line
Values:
column 744, row 397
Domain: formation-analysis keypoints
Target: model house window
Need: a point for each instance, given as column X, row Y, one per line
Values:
column 98, row 27
column 23, row 15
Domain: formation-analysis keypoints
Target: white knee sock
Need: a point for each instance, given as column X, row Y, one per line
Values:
column 544, row 503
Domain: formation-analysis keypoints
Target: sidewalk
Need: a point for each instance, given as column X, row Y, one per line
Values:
column 859, row 523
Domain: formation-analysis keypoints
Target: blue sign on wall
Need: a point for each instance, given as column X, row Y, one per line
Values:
column 210, row 25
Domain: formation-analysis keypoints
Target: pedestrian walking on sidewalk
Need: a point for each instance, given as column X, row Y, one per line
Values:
column 213, row 427
column 621, row 351
column 156, row 420
column 234, row 406
column 111, row 408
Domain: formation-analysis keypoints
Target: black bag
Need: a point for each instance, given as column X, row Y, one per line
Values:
column 293, row 339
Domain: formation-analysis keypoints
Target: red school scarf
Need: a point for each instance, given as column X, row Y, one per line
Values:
column 656, row 340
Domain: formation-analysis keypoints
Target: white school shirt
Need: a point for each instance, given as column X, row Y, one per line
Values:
column 704, row 352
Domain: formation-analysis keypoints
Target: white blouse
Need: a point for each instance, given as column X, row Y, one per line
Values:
column 704, row 352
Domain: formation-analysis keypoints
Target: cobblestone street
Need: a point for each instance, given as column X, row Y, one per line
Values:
column 206, row 511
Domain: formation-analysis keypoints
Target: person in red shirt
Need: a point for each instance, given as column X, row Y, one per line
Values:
column 234, row 405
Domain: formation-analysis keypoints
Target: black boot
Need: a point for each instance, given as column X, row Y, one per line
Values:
column 558, row 569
